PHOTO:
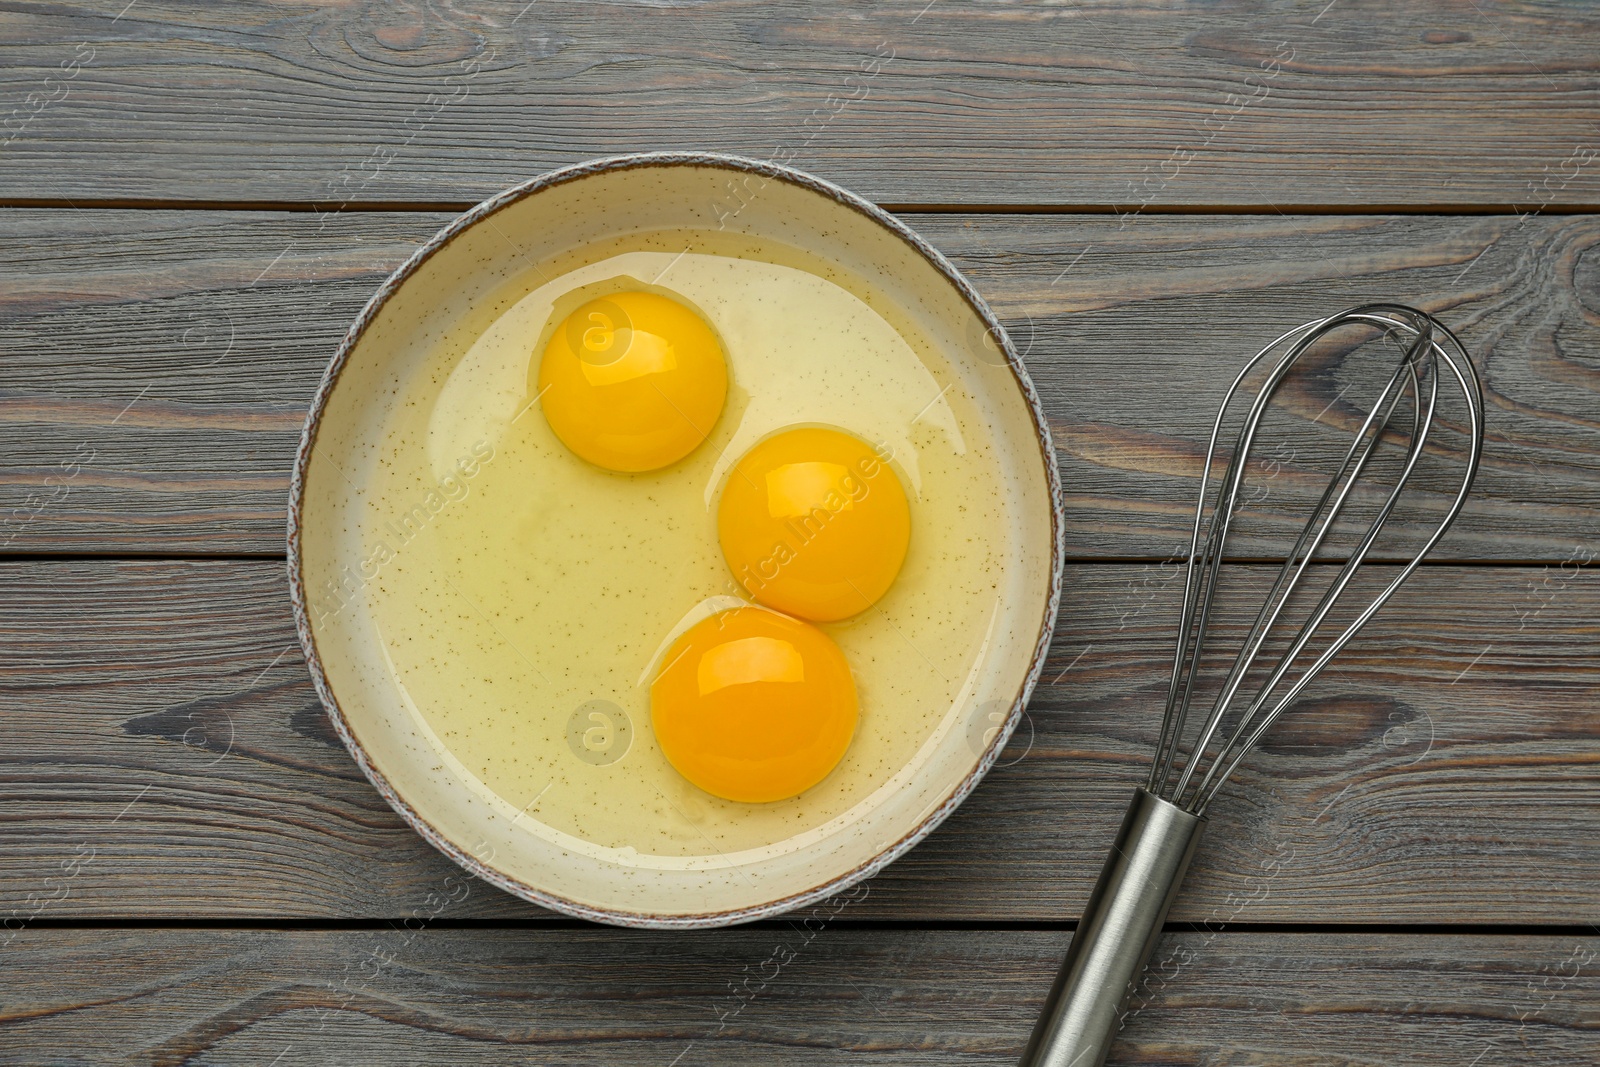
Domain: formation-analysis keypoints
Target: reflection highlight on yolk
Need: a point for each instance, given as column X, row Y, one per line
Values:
column 633, row 381
column 753, row 706
column 814, row 523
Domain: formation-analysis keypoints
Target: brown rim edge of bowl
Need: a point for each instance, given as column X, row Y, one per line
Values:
column 644, row 920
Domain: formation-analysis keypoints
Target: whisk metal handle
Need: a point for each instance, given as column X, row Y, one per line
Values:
column 1120, row 927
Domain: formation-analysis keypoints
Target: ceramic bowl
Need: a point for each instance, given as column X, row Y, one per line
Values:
column 452, row 283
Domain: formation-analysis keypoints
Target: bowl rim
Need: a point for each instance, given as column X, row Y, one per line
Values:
column 308, row 436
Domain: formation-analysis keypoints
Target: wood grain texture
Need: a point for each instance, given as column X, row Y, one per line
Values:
column 158, row 363
column 168, row 771
column 160, row 722
column 813, row 993
column 1252, row 103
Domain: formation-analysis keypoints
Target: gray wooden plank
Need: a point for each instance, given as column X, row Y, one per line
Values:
column 158, row 363
column 159, row 720
column 1253, row 103
column 817, row 992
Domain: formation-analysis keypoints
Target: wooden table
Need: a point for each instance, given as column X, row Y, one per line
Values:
column 199, row 197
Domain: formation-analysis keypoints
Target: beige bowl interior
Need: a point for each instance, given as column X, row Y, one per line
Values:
column 450, row 291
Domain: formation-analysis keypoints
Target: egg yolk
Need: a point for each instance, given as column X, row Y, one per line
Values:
column 814, row 523
column 633, row 381
column 753, row 706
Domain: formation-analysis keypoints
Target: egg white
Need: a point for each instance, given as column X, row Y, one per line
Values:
column 521, row 584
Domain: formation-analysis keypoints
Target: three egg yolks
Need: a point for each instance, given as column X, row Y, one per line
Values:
column 814, row 523
column 633, row 381
column 753, row 706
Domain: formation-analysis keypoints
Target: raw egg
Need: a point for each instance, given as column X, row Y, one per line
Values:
column 814, row 523
column 633, row 381
column 523, row 587
column 753, row 706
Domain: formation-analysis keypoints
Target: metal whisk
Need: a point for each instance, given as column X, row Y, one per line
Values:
column 1153, row 848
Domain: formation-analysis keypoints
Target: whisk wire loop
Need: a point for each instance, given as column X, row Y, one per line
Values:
column 1467, row 379
column 1429, row 347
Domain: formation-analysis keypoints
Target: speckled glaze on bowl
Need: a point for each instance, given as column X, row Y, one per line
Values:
column 441, row 283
